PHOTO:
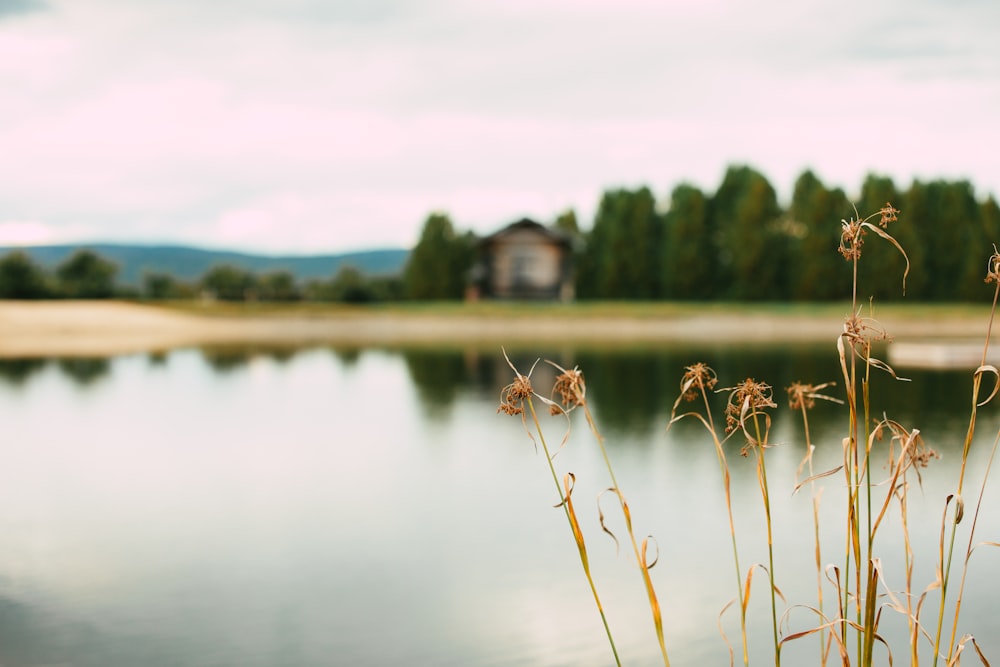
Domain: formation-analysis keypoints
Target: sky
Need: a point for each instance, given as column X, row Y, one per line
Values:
column 318, row 126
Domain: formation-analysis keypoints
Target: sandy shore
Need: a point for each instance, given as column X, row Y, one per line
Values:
column 79, row 328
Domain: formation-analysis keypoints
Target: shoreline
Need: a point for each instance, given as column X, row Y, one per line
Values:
column 111, row 328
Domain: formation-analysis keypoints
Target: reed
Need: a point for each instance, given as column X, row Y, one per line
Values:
column 863, row 590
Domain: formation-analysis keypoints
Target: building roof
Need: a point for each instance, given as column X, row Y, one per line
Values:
column 526, row 224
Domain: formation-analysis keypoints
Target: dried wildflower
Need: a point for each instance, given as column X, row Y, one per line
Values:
column 993, row 267
column 860, row 333
column 513, row 395
column 859, row 329
column 914, row 453
column 697, row 378
column 888, row 214
column 748, row 397
column 921, row 455
column 570, row 389
column 853, row 231
column 852, row 237
column 800, row 396
column 804, row 395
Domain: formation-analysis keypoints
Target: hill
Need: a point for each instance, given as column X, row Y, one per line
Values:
column 189, row 264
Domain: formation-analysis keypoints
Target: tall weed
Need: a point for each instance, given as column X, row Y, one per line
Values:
column 855, row 590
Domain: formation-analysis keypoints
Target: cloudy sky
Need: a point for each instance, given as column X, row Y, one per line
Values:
column 314, row 126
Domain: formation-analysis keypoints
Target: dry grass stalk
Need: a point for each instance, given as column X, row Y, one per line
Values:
column 569, row 392
column 860, row 587
column 513, row 399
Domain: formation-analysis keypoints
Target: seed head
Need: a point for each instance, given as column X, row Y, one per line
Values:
column 804, row 395
column 755, row 396
column 570, row 389
column 512, row 396
column 697, row 378
column 852, row 237
column 800, row 396
column 993, row 267
column 888, row 214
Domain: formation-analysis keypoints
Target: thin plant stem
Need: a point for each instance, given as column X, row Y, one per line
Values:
column 970, row 432
column 804, row 409
column 571, row 391
column 575, row 527
column 701, row 377
column 762, row 469
column 724, row 470
column 639, row 555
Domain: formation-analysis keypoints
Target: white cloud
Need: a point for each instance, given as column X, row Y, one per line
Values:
column 24, row 232
column 319, row 126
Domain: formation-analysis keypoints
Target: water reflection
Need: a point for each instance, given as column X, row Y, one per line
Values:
column 371, row 505
column 347, row 356
column 229, row 358
column 630, row 391
column 85, row 371
column 17, row 371
column 158, row 358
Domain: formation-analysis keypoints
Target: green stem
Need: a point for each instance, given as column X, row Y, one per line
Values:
column 574, row 527
column 770, row 541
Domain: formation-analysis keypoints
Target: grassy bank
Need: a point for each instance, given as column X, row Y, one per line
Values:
column 639, row 310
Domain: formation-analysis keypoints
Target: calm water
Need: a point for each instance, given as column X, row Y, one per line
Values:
column 369, row 507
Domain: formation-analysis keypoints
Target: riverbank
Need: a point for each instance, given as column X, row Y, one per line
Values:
column 107, row 328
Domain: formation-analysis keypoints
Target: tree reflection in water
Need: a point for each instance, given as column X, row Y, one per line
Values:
column 85, row 371
column 17, row 371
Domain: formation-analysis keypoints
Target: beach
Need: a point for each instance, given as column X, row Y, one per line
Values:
column 108, row 328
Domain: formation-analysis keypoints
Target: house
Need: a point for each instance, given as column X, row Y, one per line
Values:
column 524, row 260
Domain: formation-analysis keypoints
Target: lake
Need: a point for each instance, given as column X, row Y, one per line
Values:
column 306, row 507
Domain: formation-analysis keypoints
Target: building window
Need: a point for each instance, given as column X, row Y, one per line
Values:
column 522, row 268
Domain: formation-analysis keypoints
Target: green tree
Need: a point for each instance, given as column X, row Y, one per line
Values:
column 278, row 286
column 438, row 264
column 950, row 237
column 229, row 283
column 350, row 286
column 688, row 256
column 622, row 258
column 159, row 286
column 989, row 226
column 386, row 288
column 22, row 278
column 989, row 222
column 814, row 221
column 752, row 245
column 86, row 275
column 566, row 222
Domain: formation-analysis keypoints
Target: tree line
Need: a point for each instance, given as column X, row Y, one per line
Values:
column 736, row 243
column 87, row 275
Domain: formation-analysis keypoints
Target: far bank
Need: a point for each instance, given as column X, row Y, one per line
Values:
column 105, row 328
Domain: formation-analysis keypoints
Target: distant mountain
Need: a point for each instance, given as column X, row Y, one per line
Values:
column 190, row 264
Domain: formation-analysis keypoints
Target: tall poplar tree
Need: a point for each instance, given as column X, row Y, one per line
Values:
column 814, row 218
column 688, row 255
column 955, row 235
column 622, row 255
column 437, row 265
column 752, row 249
